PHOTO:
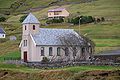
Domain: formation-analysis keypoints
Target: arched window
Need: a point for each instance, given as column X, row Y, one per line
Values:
column 83, row 50
column 33, row 27
column 50, row 51
column 25, row 28
column 58, row 51
column 66, row 51
column 42, row 51
column 25, row 43
column 74, row 51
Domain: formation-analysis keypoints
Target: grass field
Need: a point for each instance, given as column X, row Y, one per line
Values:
column 75, row 69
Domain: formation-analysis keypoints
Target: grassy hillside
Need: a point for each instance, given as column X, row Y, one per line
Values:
column 105, row 35
column 19, row 72
column 6, row 3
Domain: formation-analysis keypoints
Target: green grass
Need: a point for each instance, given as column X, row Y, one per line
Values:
column 90, row 68
column 20, row 68
column 12, row 55
column 6, row 3
column 75, row 69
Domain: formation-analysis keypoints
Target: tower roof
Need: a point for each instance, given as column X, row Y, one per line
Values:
column 30, row 19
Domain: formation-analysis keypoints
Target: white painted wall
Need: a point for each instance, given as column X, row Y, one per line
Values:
column 36, row 54
column 2, row 35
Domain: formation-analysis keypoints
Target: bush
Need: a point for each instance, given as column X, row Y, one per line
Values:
column 59, row 20
column 83, row 20
column 22, row 18
column 45, row 60
column 102, row 19
column 2, row 19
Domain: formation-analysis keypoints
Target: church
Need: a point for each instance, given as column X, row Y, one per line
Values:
column 54, row 44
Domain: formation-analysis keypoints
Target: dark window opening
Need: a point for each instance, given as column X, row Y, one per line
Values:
column 50, row 51
column 58, row 51
column 25, row 28
column 74, row 51
column 66, row 51
column 42, row 51
column 25, row 43
column 33, row 27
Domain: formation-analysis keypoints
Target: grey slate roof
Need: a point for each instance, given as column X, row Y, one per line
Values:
column 30, row 19
column 52, row 36
column 2, row 31
column 57, row 9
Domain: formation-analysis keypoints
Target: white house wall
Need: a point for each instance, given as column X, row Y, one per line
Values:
column 2, row 35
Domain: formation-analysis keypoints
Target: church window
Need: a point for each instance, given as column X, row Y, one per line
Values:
column 25, row 43
column 50, row 51
column 66, row 51
column 33, row 27
column 42, row 51
column 58, row 51
column 25, row 28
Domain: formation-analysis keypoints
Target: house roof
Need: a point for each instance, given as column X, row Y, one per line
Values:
column 54, row 36
column 30, row 19
column 57, row 9
column 2, row 31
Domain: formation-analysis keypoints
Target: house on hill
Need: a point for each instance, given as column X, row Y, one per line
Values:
column 2, row 33
column 54, row 44
column 57, row 13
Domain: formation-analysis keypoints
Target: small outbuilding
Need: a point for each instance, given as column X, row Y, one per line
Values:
column 2, row 33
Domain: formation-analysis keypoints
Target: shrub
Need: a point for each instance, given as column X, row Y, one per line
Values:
column 83, row 20
column 102, row 19
column 45, row 60
column 22, row 18
column 2, row 19
column 59, row 20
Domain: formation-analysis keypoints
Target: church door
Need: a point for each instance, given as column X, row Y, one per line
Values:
column 25, row 56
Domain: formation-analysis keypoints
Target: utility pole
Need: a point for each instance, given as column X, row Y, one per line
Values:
column 79, row 24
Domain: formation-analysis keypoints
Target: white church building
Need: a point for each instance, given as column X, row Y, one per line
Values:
column 54, row 44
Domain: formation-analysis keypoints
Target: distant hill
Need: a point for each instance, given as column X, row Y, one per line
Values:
column 23, row 5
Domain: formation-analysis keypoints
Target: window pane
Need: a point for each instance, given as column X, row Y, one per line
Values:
column 50, row 51
column 25, row 43
column 58, row 51
column 42, row 51
column 33, row 27
column 25, row 28
column 74, row 51
column 66, row 51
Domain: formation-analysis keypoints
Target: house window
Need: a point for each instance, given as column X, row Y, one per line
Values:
column 74, row 51
column 42, row 51
column 56, row 13
column 3, row 35
column 25, row 28
column 58, row 51
column 33, row 27
column 25, row 43
column 50, row 51
column 66, row 51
